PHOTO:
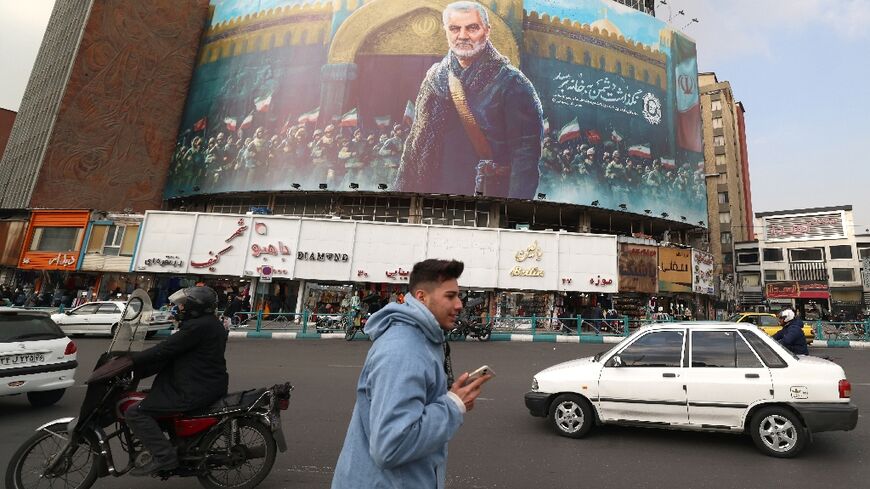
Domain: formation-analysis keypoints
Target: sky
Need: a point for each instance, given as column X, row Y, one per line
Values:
column 800, row 67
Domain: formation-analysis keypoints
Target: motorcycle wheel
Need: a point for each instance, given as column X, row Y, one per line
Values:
column 350, row 333
column 31, row 459
column 255, row 444
column 484, row 334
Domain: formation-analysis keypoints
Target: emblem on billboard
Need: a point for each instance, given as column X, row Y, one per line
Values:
column 652, row 109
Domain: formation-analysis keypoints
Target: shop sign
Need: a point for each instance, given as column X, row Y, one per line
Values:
column 262, row 229
column 167, row 261
column 597, row 281
column 796, row 290
column 702, row 272
column 398, row 274
column 217, row 252
column 638, row 268
column 675, row 269
column 62, row 260
column 532, row 252
column 791, row 228
column 322, row 256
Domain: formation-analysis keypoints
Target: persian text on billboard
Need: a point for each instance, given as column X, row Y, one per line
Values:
column 675, row 270
column 587, row 101
column 638, row 268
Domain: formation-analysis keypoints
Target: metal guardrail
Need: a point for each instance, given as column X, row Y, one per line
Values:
column 842, row 330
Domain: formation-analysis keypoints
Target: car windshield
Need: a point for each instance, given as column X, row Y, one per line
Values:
column 605, row 352
column 734, row 318
column 27, row 327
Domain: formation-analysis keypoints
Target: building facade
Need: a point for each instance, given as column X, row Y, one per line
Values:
column 726, row 166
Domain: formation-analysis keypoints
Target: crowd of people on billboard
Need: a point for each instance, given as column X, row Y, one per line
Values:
column 581, row 169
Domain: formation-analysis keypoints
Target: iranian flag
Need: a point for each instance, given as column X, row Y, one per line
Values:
column 309, row 117
column 546, row 126
column 688, row 103
column 640, row 151
column 616, row 137
column 410, row 112
column 263, row 103
column 383, row 121
column 247, row 121
column 669, row 164
column 349, row 119
column 593, row 136
column 231, row 123
column 200, row 124
column 569, row 131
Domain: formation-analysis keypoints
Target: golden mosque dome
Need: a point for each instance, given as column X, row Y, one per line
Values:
column 606, row 25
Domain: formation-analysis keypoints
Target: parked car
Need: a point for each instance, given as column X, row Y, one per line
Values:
column 769, row 323
column 102, row 317
column 709, row 376
column 36, row 358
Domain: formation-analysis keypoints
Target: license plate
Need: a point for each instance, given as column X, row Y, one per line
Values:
column 22, row 358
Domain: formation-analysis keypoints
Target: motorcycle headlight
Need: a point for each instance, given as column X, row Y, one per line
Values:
column 534, row 384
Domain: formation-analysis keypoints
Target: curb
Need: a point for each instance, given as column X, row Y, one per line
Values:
column 516, row 337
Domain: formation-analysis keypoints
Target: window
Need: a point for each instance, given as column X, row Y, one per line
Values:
column 726, row 238
column 863, row 253
column 806, row 254
column 725, row 218
column 727, row 259
column 843, row 275
column 842, row 252
column 772, row 254
column 767, row 321
column 108, row 309
column 114, row 238
column 774, row 275
column 56, row 239
column 86, row 309
column 747, row 258
column 717, row 123
column 658, row 349
column 770, row 357
column 750, row 279
column 722, row 349
column 129, row 244
column 723, row 198
column 718, row 140
column 716, row 105
column 720, row 160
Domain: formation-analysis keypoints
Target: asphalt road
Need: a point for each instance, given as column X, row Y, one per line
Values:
column 500, row 444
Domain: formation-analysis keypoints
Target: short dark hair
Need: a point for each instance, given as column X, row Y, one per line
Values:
column 434, row 271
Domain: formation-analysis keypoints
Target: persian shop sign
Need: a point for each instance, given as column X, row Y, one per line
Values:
column 532, row 252
column 796, row 290
column 821, row 226
column 675, row 270
column 45, row 261
column 638, row 268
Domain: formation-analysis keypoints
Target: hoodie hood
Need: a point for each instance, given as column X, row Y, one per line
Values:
column 412, row 313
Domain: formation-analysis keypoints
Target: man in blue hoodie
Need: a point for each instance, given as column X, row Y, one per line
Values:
column 791, row 336
column 404, row 414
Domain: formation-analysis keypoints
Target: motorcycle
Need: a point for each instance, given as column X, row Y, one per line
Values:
column 232, row 443
column 474, row 328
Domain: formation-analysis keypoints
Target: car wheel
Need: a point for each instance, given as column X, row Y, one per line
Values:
column 44, row 398
column 778, row 432
column 571, row 416
column 150, row 334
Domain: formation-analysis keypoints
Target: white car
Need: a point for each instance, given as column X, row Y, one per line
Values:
column 711, row 376
column 102, row 317
column 36, row 358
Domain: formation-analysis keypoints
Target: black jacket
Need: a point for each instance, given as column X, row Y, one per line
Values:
column 190, row 367
column 792, row 337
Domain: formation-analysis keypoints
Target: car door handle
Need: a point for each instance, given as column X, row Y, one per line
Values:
column 669, row 375
column 751, row 376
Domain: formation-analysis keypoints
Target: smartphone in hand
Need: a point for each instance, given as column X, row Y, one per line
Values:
column 480, row 372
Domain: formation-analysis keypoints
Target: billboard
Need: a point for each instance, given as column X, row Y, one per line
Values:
column 638, row 268
column 703, row 272
column 675, row 269
column 581, row 101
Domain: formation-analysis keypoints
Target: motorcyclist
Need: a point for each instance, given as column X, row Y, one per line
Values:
column 791, row 335
column 191, row 374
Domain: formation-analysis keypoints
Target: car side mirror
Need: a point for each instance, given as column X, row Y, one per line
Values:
column 615, row 361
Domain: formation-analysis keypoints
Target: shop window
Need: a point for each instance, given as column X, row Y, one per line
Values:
column 56, row 239
column 747, row 258
column 806, row 254
column 114, row 238
column 129, row 243
column 843, row 275
column 717, row 123
column 774, row 275
column 772, row 254
column 716, row 105
column 842, row 252
column 750, row 279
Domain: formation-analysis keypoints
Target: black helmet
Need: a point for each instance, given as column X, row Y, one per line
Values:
column 197, row 301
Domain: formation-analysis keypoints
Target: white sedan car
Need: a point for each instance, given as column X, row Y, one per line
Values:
column 102, row 317
column 699, row 376
column 36, row 358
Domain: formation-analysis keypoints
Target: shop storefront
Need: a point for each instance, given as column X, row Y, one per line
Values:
column 13, row 230
column 328, row 266
column 638, row 280
column 810, row 299
column 109, row 245
column 51, row 254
